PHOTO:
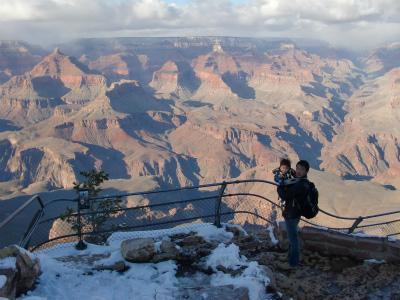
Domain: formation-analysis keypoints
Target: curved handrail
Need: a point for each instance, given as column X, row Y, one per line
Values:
column 336, row 216
column 52, row 240
column 392, row 234
column 155, row 192
column 185, row 188
column 232, row 183
column 189, row 201
column 211, row 197
column 382, row 214
column 37, row 220
column 381, row 223
column 131, row 208
column 271, row 201
column 51, row 202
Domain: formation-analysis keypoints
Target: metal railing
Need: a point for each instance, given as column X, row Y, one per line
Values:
column 211, row 206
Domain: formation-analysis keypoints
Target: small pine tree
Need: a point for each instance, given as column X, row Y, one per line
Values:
column 99, row 212
column 93, row 179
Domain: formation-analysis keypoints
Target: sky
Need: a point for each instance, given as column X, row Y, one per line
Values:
column 355, row 24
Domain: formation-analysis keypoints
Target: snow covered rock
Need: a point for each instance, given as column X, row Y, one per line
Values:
column 8, row 283
column 118, row 266
column 192, row 247
column 181, row 247
column 138, row 250
column 191, row 240
column 168, row 250
column 21, row 268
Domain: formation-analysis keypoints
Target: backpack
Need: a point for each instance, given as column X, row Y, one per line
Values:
column 309, row 207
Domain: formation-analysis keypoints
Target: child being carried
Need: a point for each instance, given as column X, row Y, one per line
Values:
column 284, row 171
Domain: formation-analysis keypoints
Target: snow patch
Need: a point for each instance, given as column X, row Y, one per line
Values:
column 157, row 246
column 226, row 256
column 68, row 249
column 114, row 257
column 211, row 233
column 274, row 240
column 374, row 261
column 206, row 230
column 31, row 255
column 3, row 280
column 362, row 234
column 253, row 277
column 8, row 263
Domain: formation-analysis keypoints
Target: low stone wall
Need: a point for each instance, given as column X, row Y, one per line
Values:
column 335, row 243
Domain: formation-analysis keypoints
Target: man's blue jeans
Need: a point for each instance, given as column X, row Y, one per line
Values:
column 294, row 250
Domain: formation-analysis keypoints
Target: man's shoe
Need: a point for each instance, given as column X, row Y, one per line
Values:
column 284, row 266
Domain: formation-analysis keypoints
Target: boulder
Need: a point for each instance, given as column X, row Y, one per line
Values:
column 138, row 250
column 191, row 240
column 168, row 251
column 21, row 269
column 8, row 282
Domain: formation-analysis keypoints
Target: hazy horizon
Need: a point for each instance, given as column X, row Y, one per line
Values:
column 49, row 46
column 356, row 25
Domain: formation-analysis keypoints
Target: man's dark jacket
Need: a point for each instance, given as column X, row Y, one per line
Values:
column 293, row 192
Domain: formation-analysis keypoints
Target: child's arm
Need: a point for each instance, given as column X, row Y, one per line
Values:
column 277, row 177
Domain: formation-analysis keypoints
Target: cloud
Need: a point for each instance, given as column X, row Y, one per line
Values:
column 342, row 22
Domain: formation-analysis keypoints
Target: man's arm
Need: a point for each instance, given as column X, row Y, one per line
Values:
column 282, row 191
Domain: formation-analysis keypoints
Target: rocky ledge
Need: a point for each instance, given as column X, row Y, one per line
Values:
column 232, row 264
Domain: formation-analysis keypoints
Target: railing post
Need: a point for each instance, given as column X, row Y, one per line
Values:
column 355, row 224
column 25, row 240
column 218, row 201
column 82, row 203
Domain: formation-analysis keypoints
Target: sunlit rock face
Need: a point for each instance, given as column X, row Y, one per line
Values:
column 189, row 111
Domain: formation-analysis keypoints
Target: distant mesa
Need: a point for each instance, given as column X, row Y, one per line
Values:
column 287, row 46
column 217, row 48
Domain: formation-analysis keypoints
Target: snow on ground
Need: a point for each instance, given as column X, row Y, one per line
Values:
column 253, row 276
column 68, row 280
column 142, row 281
column 374, row 261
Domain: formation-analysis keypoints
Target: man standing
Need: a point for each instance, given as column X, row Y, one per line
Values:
column 293, row 192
